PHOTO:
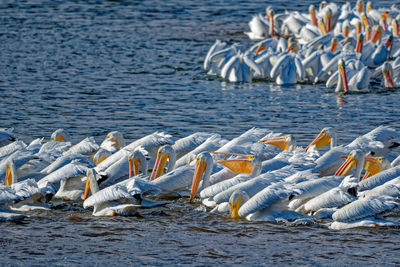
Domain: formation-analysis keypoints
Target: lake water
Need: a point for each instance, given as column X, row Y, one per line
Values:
column 92, row 67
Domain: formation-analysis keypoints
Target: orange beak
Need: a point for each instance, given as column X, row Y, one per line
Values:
column 8, row 180
column 198, row 174
column 276, row 141
column 342, row 72
column 87, row 189
column 346, row 166
column 260, row 48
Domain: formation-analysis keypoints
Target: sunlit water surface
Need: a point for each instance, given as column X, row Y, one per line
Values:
column 136, row 66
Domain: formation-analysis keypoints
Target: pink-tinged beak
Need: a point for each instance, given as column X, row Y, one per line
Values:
column 347, row 166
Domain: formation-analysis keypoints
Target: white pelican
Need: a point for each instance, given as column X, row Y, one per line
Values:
column 121, row 199
column 288, row 69
column 6, row 136
column 69, row 181
column 240, row 68
column 336, row 197
column 60, row 135
column 391, row 78
column 101, row 155
column 364, row 207
column 31, row 196
column 113, row 142
column 218, row 56
column 208, row 64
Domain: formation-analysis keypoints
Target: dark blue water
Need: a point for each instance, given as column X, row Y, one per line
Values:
column 133, row 66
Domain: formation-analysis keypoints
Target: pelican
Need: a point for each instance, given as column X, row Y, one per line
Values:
column 221, row 55
column 69, row 181
column 240, row 68
column 121, row 199
column 60, row 135
column 288, row 69
column 31, row 196
column 390, row 81
column 364, row 207
column 113, row 142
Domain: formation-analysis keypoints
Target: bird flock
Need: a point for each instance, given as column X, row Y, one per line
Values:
column 345, row 47
column 258, row 176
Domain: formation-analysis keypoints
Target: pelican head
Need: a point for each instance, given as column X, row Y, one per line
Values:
column 387, row 72
column 346, row 28
column 286, row 142
column 116, row 138
column 325, row 137
column 358, row 28
column 360, row 6
column 389, row 42
column 244, row 164
column 359, row 44
column 164, row 154
column 365, row 20
column 328, row 20
column 354, row 159
column 342, row 83
column 311, row 10
column 235, row 201
column 368, row 33
column 376, row 33
column 101, row 155
column 91, row 183
column 60, row 135
column 203, row 169
column 383, row 22
column 134, row 159
column 333, row 44
column 271, row 23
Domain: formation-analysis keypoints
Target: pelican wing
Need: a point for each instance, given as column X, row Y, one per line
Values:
column 284, row 60
column 217, row 46
column 187, row 144
column 301, row 73
column 265, row 198
column 364, row 207
column 233, row 63
column 177, row 179
column 7, row 150
column 84, row 147
column 335, row 197
column 214, row 189
column 68, row 171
